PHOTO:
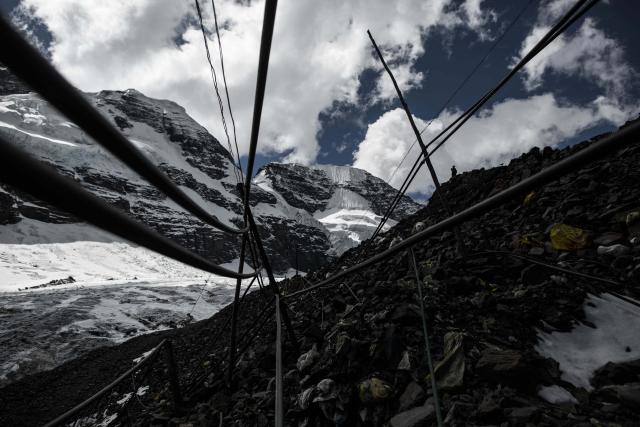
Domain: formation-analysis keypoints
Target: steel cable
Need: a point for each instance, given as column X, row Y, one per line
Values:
column 567, row 20
column 615, row 141
column 466, row 79
column 423, row 315
column 25, row 173
column 226, row 87
column 27, row 63
column 214, row 77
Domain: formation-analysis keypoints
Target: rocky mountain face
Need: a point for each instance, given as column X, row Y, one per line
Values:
column 338, row 210
column 517, row 339
column 162, row 130
column 345, row 203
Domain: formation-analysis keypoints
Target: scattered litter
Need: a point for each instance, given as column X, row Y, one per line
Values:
column 614, row 250
column 449, row 372
column 567, row 238
column 124, row 399
column 326, row 390
column 374, row 390
column 139, row 359
column 556, row 394
column 529, row 198
column 142, row 390
column 307, row 359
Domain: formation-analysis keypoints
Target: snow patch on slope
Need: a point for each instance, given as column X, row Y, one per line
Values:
column 585, row 349
column 35, row 135
column 87, row 262
column 281, row 208
column 347, row 217
column 342, row 174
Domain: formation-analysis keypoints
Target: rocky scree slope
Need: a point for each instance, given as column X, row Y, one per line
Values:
column 361, row 359
column 193, row 159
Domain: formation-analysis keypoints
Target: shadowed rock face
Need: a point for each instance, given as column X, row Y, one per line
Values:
column 344, row 202
column 311, row 188
column 9, row 84
column 197, row 162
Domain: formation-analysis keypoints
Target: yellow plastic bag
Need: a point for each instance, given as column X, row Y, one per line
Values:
column 374, row 390
column 529, row 198
column 567, row 238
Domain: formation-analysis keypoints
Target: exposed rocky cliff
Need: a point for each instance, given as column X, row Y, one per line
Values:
column 347, row 203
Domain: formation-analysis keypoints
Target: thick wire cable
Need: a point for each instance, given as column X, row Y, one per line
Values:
column 279, row 407
column 226, row 87
column 20, row 170
column 423, row 315
column 214, row 77
column 550, row 266
column 206, row 282
column 28, row 64
column 567, row 20
column 442, row 108
column 570, row 19
column 465, row 80
column 596, row 151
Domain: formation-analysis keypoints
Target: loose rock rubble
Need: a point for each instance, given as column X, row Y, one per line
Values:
column 361, row 360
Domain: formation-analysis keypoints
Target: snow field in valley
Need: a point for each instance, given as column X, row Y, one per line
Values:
column 120, row 291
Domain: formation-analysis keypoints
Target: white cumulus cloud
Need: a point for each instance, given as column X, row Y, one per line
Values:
column 500, row 133
column 586, row 52
column 513, row 126
column 320, row 48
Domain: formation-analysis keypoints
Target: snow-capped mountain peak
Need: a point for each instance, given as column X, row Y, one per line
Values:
column 306, row 214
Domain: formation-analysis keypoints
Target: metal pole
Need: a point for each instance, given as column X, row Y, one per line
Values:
column 22, row 171
column 272, row 280
column 234, row 314
column 279, row 407
column 173, row 377
column 425, row 154
column 626, row 136
column 427, row 347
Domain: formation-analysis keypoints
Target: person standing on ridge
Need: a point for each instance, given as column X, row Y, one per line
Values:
column 454, row 171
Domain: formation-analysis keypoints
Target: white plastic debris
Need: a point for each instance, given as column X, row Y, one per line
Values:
column 142, row 390
column 417, row 227
column 305, row 397
column 405, row 362
column 326, row 390
column 125, row 399
column 307, row 359
column 556, row 394
column 613, row 250
column 395, row 241
column 139, row 359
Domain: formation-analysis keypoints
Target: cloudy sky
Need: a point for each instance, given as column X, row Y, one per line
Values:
column 328, row 100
